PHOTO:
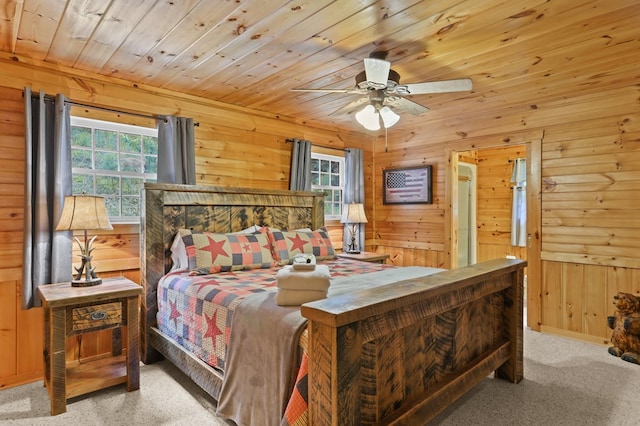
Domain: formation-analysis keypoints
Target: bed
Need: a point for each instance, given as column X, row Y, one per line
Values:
column 397, row 354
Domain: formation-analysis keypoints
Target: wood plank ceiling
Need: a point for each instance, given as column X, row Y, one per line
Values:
column 251, row 52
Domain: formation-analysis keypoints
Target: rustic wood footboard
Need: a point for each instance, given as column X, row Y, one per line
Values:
column 402, row 353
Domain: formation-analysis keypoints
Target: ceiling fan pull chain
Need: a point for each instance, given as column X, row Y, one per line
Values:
column 386, row 148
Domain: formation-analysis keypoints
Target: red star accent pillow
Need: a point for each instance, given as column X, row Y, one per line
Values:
column 286, row 244
column 209, row 253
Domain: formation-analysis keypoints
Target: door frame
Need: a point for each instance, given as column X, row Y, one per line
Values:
column 533, row 147
column 473, row 210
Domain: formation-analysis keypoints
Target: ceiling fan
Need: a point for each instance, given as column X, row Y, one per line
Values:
column 382, row 91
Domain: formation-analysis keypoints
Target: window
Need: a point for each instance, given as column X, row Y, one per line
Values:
column 113, row 160
column 327, row 176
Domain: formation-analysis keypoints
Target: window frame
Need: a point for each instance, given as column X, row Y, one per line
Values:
column 94, row 124
column 323, row 188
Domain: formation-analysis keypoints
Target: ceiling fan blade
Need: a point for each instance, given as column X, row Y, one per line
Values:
column 351, row 106
column 405, row 105
column 459, row 85
column 377, row 71
column 328, row 90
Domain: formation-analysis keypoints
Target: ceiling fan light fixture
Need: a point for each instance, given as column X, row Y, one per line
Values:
column 369, row 118
column 389, row 118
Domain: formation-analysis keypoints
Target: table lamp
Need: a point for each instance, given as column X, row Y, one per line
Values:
column 84, row 212
column 353, row 216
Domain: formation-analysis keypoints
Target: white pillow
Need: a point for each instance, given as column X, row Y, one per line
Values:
column 179, row 255
column 250, row 230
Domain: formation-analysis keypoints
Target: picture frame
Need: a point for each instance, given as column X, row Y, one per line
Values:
column 407, row 185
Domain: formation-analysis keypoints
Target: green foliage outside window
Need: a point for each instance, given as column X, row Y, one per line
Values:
column 83, row 184
column 81, row 136
column 106, row 139
column 130, row 143
column 106, row 160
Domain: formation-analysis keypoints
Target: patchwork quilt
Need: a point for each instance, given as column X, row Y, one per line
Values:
column 196, row 310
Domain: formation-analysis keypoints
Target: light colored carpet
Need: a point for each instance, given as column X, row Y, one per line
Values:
column 566, row 383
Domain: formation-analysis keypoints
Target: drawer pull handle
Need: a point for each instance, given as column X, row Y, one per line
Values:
column 99, row 315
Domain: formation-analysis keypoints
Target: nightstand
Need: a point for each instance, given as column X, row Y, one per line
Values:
column 365, row 256
column 69, row 311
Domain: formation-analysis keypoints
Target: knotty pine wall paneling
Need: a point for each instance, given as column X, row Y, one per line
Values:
column 234, row 147
column 591, row 229
column 412, row 234
column 495, row 197
column 20, row 331
column 588, row 201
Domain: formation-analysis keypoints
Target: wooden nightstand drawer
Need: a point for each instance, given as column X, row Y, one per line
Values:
column 98, row 317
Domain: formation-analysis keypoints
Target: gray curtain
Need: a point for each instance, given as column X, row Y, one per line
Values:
column 353, row 190
column 176, row 150
column 300, row 177
column 47, row 253
column 519, row 203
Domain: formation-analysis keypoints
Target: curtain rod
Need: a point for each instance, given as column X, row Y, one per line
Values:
column 115, row 111
column 290, row 140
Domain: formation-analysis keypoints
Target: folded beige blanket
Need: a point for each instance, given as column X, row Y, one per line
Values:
column 285, row 297
column 262, row 361
column 317, row 279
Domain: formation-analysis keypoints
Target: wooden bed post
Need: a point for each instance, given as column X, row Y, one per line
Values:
column 335, row 374
column 152, row 255
column 513, row 369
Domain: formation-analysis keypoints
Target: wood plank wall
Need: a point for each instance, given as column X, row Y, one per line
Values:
column 20, row 331
column 588, row 201
column 234, row 147
column 495, row 195
column 591, row 228
column 412, row 234
column 415, row 234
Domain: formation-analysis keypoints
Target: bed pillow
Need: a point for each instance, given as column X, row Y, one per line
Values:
column 209, row 253
column 285, row 245
column 179, row 258
column 250, row 230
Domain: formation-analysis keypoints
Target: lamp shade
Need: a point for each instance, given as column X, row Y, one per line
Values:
column 369, row 118
column 389, row 118
column 354, row 213
column 84, row 212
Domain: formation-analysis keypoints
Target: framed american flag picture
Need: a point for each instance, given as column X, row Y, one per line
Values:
column 407, row 185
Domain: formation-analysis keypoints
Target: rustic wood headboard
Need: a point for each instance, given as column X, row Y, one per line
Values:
column 169, row 207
